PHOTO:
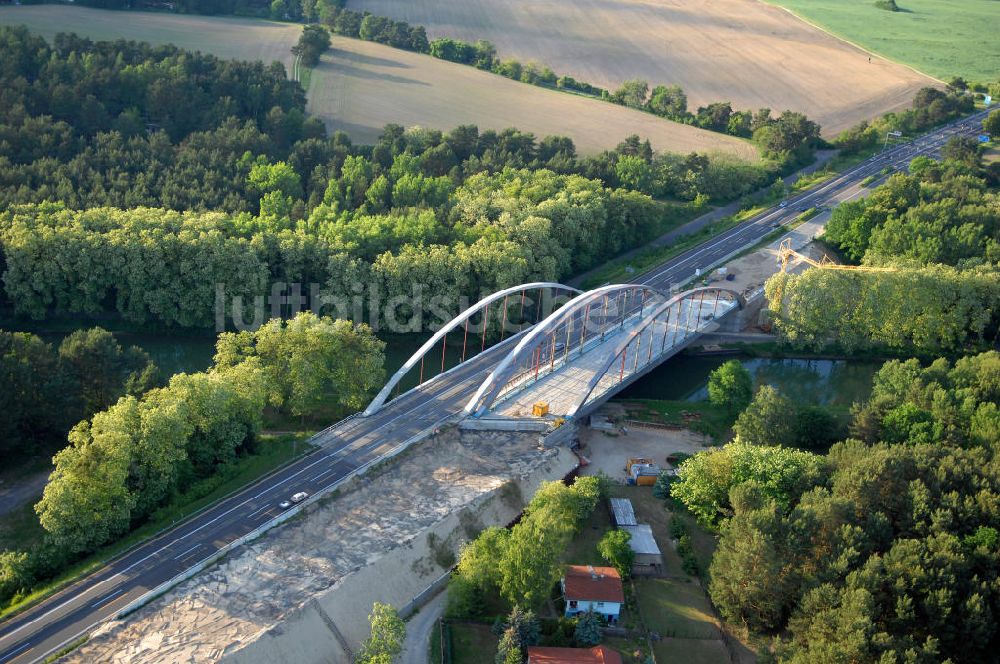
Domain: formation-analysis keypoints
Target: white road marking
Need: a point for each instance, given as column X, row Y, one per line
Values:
column 12, row 653
column 258, row 511
column 187, row 551
column 107, row 597
column 325, row 472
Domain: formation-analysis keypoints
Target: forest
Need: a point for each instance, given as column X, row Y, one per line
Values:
column 136, row 181
column 141, row 441
column 242, row 189
column 883, row 549
column 47, row 390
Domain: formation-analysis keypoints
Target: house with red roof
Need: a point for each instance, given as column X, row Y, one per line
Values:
column 595, row 655
column 598, row 589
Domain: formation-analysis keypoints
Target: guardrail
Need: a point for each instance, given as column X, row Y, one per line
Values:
column 229, row 495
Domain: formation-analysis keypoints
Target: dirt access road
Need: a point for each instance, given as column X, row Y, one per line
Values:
column 743, row 51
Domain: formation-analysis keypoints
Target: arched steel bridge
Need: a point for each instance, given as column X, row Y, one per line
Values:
column 572, row 356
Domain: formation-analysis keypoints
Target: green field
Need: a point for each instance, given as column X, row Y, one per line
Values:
column 943, row 39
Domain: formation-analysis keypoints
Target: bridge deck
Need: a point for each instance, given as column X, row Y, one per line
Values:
column 564, row 387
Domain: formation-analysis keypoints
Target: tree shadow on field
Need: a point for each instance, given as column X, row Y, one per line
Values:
column 339, row 67
column 362, row 59
column 360, row 133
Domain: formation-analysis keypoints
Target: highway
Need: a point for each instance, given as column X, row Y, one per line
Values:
column 356, row 441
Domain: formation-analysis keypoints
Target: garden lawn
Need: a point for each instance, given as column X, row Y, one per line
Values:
column 583, row 549
column 674, row 608
column 691, row 651
column 472, row 643
column 700, row 416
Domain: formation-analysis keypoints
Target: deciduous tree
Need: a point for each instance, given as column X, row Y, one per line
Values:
column 614, row 547
column 387, row 634
column 730, row 386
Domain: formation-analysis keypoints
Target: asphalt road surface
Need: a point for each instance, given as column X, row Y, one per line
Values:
column 349, row 444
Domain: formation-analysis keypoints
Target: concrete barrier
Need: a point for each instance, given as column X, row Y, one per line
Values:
column 505, row 424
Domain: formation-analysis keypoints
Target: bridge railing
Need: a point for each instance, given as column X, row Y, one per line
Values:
column 557, row 339
column 508, row 322
column 666, row 329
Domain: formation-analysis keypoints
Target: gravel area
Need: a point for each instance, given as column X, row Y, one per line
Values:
column 285, row 582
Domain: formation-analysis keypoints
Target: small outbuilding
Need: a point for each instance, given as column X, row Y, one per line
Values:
column 622, row 512
column 648, row 558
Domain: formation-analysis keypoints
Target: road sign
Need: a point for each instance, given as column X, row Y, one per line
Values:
column 897, row 134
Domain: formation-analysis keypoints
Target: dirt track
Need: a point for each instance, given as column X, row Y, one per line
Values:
column 742, row 51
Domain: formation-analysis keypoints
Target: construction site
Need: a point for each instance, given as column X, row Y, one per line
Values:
column 303, row 593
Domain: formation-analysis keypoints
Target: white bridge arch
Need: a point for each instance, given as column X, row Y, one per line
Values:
column 483, row 304
column 652, row 320
column 629, row 299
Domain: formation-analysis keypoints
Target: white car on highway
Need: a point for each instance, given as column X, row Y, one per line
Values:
column 294, row 500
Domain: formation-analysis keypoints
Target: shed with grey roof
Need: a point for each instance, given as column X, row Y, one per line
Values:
column 622, row 512
column 648, row 559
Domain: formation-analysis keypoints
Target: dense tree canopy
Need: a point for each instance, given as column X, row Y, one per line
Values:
column 928, row 309
column 128, row 124
column 310, row 362
column 772, row 418
column 46, row 390
column 132, row 457
column 522, row 564
column 937, row 232
column 931, row 107
column 498, row 230
column 127, row 460
column 313, row 42
column 460, row 212
column 939, row 213
column 887, row 550
column 951, row 403
column 705, row 480
column 730, row 386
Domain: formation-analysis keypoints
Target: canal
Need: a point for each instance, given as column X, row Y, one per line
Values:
column 837, row 383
